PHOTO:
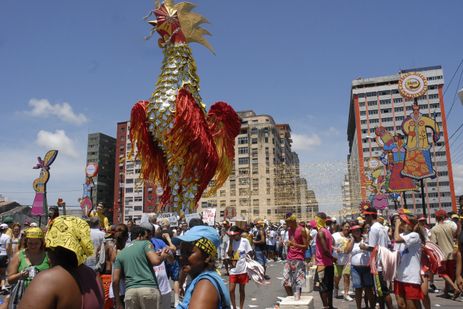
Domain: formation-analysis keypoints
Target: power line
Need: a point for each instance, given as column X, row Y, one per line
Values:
column 454, row 74
column 455, row 95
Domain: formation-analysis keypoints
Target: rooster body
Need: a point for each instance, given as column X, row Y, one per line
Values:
column 181, row 147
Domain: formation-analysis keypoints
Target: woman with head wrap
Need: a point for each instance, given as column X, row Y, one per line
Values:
column 31, row 260
column 69, row 284
column 198, row 247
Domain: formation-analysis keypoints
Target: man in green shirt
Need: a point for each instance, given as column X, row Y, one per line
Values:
column 135, row 262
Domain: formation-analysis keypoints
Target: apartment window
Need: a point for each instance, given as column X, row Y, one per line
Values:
column 382, row 102
column 243, row 171
column 243, row 150
column 254, row 140
column 363, row 113
column 242, row 140
column 244, row 181
column 373, row 112
column 372, row 103
column 397, row 100
column 244, row 202
column 242, row 161
column 128, row 190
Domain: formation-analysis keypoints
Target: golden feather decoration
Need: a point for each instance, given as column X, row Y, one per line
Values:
column 190, row 22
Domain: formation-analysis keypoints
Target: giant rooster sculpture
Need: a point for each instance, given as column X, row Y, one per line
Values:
column 181, row 146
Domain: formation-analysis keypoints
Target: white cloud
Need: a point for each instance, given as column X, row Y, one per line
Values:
column 58, row 140
column 332, row 131
column 63, row 111
column 66, row 175
column 305, row 142
column 458, row 178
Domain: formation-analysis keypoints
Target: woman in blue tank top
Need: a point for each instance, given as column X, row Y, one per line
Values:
column 198, row 248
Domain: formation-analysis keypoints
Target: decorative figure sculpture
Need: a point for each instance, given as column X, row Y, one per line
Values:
column 40, row 205
column 394, row 160
column 418, row 164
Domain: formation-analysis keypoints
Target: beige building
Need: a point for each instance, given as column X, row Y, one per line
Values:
column 265, row 181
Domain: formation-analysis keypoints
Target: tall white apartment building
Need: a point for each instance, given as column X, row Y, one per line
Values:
column 132, row 197
column 377, row 102
column 265, row 181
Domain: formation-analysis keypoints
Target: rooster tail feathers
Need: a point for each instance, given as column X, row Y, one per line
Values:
column 224, row 125
column 194, row 147
column 153, row 161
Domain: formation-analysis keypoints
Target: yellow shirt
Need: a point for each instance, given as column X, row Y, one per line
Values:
column 104, row 222
column 415, row 129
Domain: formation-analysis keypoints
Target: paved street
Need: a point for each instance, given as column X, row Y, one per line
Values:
column 267, row 296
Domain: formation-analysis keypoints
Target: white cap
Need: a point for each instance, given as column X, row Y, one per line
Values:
column 3, row 226
column 33, row 224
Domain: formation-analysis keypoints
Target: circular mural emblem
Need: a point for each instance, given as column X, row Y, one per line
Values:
column 413, row 85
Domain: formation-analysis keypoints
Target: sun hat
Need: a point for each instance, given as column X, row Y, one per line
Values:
column 355, row 227
column 234, row 230
column 8, row 220
column 34, row 232
column 290, row 217
column 440, row 213
column 198, row 232
column 205, row 237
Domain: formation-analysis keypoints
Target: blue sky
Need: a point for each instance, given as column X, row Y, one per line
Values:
column 69, row 68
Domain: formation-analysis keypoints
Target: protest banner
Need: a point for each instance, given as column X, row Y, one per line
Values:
column 172, row 216
column 188, row 217
column 209, row 216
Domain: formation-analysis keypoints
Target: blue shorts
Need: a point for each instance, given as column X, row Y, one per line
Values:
column 308, row 253
column 361, row 277
column 260, row 257
column 173, row 270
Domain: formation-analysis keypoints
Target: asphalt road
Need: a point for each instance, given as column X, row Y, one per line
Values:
column 266, row 296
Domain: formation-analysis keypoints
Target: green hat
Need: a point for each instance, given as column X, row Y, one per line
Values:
column 8, row 220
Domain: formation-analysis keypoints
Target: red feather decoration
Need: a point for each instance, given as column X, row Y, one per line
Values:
column 194, row 146
column 224, row 125
column 153, row 161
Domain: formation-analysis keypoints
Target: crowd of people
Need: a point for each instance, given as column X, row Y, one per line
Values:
column 152, row 264
column 380, row 256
